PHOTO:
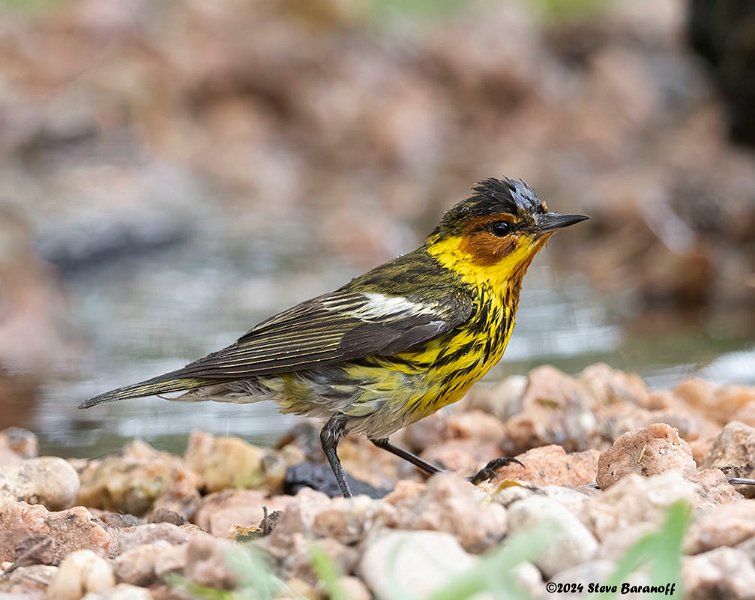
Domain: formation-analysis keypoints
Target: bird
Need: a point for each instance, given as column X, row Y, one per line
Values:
column 393, row 345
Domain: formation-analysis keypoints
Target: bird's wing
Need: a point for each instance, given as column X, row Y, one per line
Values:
column 344, row 325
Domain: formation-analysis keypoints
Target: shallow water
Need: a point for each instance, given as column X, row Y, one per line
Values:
column 149, row 314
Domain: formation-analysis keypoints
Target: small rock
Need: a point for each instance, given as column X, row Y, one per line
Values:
column 571, row 544
column 462, row 456
column 80, row 573
column 135, row 480
column 725, row 525
column 721, row 573
column 50, row 481
column 734, row 448
column 144, row 565
column 209, row 562
column 26, row 582
column 298, row 519
column 122, row 591
column 221, row 511
column 501, row 400
column 475, row 424
column 612, row 386
column 291, row 540
column 650, row 451
column 129, row 538
column 552, row 466
column 527, row 576
column 569, row 498
column 446, row 503
column 320, row 477
column 347, row 520
column 748, row 547
column 719, row 403
column 33, row 535
column 16, row 444
column 354, row 588
column 226, row 462
column 555, row 409
column 413, row 562
column 635, row 503
column 714, row 487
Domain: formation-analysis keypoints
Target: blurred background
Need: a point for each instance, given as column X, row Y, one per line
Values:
column 172, row 172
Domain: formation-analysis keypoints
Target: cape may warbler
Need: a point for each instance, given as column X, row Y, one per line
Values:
column 395, row 344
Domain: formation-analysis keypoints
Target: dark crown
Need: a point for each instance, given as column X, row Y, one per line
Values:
column 493, row 196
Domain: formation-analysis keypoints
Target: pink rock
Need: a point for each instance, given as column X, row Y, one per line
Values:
column 650, row 451
column 446, row 503
column 33, row 535
column 222, row 511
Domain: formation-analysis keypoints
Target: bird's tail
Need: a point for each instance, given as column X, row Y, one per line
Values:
column 162, row 384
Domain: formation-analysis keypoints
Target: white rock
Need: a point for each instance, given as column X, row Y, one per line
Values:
column 720, row 573
column 48, row 480
column 79, row 573
column 414, row 563
column 572, row 543
column 122, row 591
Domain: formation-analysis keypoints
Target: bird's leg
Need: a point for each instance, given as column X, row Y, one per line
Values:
column 428, row 468
column 330, row 435
column 487, row 472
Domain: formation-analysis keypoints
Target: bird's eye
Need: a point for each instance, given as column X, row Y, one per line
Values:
column 500, row 228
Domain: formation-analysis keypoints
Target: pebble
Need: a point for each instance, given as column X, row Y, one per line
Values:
column 725, row 525
column 721, row 573
column 129, row 538
column 16, row 444
column 612, row 386
column 28, row 582
column 734, row 449
column 635, row 503
column 649, row 451
column 226, row 462
column 718, row 402
column 146, row 564
column 411, row 563
column 80, row 573
column 209, row 562
column 555, row 409
column 571, row 543
column 220, row 512
column 552, row 466
column 34, row 535
column 49, row 481
column 450, row 504
column 133, row 481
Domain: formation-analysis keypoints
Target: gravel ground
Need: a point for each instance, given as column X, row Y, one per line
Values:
column 603, row 460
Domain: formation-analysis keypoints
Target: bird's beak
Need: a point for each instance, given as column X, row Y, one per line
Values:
column 552, row 221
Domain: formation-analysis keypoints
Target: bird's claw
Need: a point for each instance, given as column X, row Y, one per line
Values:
column 490, row 470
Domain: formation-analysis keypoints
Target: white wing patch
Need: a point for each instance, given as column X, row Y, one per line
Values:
column 378, row 307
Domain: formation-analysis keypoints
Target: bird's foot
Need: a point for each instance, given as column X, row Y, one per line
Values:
column 490, row 470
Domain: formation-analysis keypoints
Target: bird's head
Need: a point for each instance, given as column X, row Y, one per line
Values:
column 497, row 231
